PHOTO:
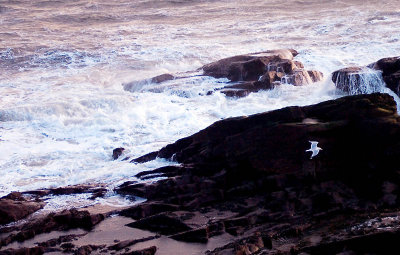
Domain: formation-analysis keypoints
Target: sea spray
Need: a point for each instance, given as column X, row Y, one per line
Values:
column 357, row 80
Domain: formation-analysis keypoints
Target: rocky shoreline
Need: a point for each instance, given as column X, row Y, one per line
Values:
column 246, row 185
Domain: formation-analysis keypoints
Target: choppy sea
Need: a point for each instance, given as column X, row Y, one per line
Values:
column 63, row 66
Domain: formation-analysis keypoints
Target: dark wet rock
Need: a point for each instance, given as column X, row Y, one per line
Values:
column 77, row 189
column 236, row 141
column 145, row 158
column 148, row 251
column 23, row 251
column 236, row 92
column 117, row 153
column 166, row 171
column 162, row 78
column 251, row 175
column 161, row 223
column 14, row 207
column 390, row 68
column 124, row 244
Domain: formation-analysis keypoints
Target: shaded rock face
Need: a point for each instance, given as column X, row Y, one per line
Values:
column 15, row 207
column 257, row 169
column 284, row 137
column 261, row 71
column 358, row 80
column 390, row 68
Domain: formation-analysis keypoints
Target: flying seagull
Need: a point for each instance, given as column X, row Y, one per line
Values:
column 314, row 149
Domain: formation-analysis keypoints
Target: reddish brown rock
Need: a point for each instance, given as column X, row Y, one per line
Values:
column 260, row 71
column 316, row 76
column 246, row 67
column 17, row 208
column 148, row 157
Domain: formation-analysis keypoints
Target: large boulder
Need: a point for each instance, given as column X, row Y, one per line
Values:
column 260, row 71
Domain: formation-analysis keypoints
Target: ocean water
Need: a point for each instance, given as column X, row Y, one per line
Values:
column 64, row 64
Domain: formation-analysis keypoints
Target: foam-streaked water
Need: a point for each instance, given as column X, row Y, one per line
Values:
column 63, row 107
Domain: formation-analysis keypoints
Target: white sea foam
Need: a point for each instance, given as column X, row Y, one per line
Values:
column 63, row 106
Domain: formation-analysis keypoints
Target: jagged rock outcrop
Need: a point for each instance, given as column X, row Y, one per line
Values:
column 251, row 177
